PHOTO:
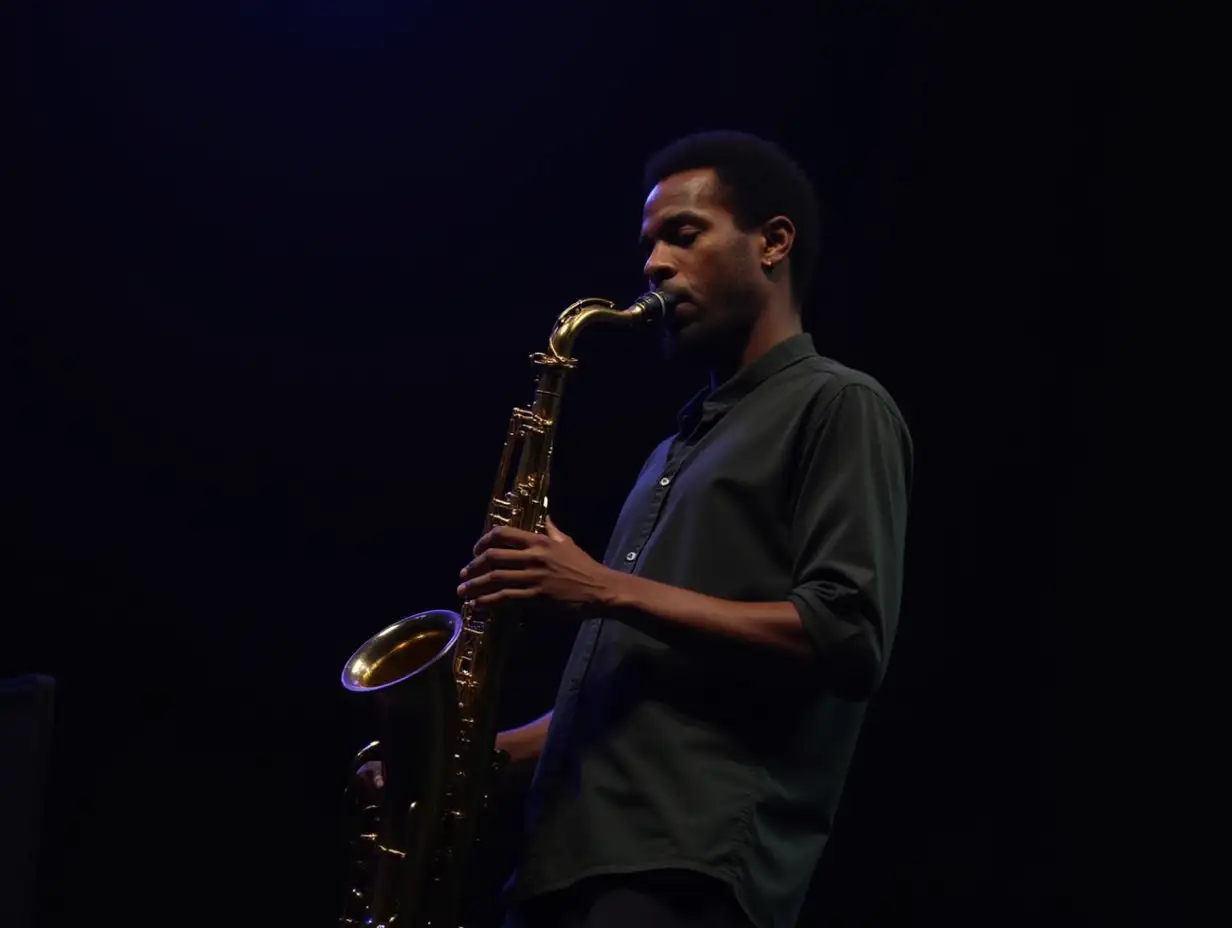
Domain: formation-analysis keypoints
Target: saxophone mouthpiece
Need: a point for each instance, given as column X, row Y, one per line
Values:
column 655, row 305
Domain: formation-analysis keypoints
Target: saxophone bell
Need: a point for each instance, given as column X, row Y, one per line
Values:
column 405, row 669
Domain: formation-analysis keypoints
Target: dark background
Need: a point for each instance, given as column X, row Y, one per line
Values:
column 288, row 261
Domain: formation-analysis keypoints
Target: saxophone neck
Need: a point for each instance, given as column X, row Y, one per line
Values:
column 648, row 309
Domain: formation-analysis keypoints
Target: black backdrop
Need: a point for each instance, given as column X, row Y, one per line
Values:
column 288, row 263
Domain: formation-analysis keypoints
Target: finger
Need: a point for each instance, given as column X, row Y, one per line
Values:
column 495, row 558
column 497, row 579
column 554, row 533
column 505, row 536
column 507, row 594
column 493, row 581
column 502, row 536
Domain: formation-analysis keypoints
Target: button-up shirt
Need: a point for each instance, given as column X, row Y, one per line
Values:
column 672, row 748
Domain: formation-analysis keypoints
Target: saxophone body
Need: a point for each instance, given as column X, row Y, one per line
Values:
column 434, row 680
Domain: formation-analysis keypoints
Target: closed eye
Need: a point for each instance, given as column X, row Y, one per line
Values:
column 680, row 230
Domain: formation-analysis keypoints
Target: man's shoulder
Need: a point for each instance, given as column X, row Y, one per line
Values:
column 830, row 379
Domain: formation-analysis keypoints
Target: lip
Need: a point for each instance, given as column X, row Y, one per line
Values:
column 684, row 314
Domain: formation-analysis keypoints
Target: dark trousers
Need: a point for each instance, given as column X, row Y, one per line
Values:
column 658, row 899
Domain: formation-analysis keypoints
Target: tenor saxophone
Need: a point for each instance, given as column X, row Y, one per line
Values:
column 434, row 679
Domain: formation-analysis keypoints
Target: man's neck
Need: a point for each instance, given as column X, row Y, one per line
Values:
column 769, row 330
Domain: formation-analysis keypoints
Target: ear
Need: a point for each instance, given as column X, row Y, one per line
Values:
column 778, row 235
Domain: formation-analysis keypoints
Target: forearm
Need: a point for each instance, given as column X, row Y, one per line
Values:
column 772, row 626
column 532, row 733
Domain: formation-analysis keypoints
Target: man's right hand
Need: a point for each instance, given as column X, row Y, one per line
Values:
column 522, row 745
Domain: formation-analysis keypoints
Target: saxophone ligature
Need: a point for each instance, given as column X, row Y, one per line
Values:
column 434, row 678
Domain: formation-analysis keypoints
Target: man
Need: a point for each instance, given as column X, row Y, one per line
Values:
column 690, row 770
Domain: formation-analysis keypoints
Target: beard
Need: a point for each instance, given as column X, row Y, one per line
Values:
column 713, row 339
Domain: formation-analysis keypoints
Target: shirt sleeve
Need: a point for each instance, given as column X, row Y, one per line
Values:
column 848, row 532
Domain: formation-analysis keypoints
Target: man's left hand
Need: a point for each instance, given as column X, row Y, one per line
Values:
column 511, row 564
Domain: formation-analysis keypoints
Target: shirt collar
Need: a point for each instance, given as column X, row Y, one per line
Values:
column 710, row 402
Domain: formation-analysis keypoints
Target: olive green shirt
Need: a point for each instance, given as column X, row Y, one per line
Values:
column 671, row 748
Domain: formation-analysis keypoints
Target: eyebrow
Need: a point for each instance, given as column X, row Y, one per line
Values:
column 674, row 219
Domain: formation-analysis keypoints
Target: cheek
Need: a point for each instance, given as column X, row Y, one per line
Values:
column 733, row 276
column 719, row 271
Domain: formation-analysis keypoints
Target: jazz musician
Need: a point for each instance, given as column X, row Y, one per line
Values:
column 743, row 614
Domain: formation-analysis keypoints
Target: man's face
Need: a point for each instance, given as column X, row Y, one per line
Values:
column 695, row 249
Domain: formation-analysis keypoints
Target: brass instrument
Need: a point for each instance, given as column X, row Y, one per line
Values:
column 434, row 678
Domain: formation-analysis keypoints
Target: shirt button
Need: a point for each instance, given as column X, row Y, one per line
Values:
column 664, row 481
column 631, row 556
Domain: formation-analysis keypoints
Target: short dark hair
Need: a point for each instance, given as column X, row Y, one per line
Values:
column 759, row 180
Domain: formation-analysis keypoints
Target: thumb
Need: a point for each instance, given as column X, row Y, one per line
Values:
column 554, row 533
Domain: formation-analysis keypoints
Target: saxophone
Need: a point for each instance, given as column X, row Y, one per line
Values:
column 434, row 678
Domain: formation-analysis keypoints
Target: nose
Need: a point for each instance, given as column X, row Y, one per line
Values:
column 657, row 268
